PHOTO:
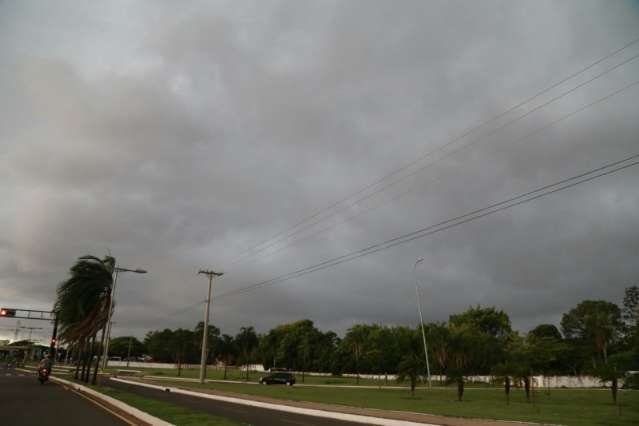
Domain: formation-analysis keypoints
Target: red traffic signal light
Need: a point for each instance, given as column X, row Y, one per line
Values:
column 5, row 312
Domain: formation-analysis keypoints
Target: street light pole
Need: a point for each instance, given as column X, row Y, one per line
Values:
column 205, row 334
column 105, row 354
column 421, row 318
column 116, row 270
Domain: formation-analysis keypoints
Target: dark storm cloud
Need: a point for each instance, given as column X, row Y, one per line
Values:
column 177, row 139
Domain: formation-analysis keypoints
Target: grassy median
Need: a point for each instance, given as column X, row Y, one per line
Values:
column 562, row 406
column 171, row 413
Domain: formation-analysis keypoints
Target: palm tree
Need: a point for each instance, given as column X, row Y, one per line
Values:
column 438, row 342
column 227, row 350
column 466, row 344
column 411, row 367
column 82, row 306
column 354, row 341
column 247, row 341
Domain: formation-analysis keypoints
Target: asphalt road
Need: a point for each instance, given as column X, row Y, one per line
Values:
column 241, row 413
column 25, row 402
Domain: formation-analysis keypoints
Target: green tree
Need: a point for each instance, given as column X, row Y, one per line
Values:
column 505, row 372
column 227, row 351
column 82, row 307
column 520, row 358
column 545, row 331
column 268, row 348
column 596, row 324
column 411, row 367
column 494, row 326
column 630, row 313
column 610, row 372
column 296, row 346
column 438, row 337
column 546, row 346
column 213, row 340
column 183, row 346
column 488, row 320
column 247, row 342
column 354, row 341
column 159, row 345
column 630, row 309
column 119, row 346
column 326, row 352
column 467, row 346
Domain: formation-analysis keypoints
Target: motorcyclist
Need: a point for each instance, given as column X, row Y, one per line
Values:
column 46, row 362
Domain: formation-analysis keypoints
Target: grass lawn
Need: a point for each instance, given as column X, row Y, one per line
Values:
column 561, row 406
column 169, row 412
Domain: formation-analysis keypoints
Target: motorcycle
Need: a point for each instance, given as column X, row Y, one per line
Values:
column 43, row 375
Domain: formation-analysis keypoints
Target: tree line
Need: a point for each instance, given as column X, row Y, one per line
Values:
column 595, row 337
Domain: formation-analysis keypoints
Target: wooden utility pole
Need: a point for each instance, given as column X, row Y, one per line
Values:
column 205, row 335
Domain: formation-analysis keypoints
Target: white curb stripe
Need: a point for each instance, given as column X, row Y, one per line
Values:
column 297, row 410
column 139, row 414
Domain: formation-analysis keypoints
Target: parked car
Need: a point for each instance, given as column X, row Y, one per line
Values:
column 278, row 378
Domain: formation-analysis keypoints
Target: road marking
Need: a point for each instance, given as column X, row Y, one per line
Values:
column 113, row 413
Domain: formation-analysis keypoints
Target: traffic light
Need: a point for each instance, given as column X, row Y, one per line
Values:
column 6, row 312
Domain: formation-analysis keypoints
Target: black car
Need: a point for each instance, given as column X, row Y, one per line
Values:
column 278, row 378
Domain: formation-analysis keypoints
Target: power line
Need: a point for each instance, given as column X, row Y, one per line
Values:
column 182, row 310
column 466, row 133
column 402, row 178
column 473, row 215
column 463, row 146
column 285, row 234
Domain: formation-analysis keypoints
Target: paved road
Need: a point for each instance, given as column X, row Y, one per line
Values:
column 25, row 402
column 241, row 413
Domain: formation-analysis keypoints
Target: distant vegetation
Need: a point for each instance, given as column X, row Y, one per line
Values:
column 595, row 337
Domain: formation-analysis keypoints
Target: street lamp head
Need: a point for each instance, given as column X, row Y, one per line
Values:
column 210, row 273
column 137, row 271
column 421, row 259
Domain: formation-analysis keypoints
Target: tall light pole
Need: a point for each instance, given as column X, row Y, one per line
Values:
column 117, row 269
column 205, row 334
column 421, row 318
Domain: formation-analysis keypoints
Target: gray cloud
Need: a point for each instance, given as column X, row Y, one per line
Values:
column 177, row 139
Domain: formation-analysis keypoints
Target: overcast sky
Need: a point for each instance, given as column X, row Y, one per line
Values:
column 176, row 137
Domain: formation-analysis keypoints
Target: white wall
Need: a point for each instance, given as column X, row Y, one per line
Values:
column 539, row 381
column 167, row 365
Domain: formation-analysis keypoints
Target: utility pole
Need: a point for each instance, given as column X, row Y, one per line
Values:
column 108, row 324
column 205, row 335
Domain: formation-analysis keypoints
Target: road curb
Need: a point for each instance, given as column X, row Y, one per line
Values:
column 138, row 415
column 356, row 418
